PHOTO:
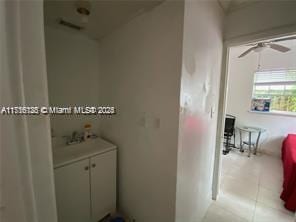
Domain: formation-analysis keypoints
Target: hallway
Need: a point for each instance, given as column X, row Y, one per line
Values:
column 250, row 190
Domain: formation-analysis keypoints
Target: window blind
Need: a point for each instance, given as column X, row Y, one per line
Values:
column 275, row 77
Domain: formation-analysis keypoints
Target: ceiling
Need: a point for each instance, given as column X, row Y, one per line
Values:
column 231, row 5
column 105, row 16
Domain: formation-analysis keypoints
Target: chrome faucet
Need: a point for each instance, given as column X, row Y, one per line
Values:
column 74, row 138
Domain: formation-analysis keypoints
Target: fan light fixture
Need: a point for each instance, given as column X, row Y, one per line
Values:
column 83, row 8
column 259, row 47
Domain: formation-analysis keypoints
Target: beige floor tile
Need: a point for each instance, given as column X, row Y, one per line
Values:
column 270, row 199
column 250, row 189
column 270, row 183
column 264, row 213
column 274, row 170
column 240, row 206
column 228, row 163
column 271, row 165
column 218, row 214
column 245, row 175
column 240, row 187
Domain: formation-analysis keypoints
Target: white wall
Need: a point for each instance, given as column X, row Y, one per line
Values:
column 140, row 75
column 265, row 17
column 240, row 86
column 73, row 77
column 202, row 55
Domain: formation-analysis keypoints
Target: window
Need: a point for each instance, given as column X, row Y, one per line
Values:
column 277, row 85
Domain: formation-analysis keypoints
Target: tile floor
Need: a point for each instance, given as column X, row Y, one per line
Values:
column 250, row 189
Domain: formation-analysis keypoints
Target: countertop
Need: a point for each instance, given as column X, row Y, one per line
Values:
column 64, row 155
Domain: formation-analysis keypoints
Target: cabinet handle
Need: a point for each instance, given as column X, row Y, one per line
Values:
column 93, row 165
column 86, row 168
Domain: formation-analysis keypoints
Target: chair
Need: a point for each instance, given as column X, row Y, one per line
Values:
column 229, row 132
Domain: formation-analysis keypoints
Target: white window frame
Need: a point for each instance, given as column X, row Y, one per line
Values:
column 272, row 112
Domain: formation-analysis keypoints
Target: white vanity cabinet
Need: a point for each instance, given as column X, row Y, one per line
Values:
column 72, row 192
column 85, row 188
column 103, row 184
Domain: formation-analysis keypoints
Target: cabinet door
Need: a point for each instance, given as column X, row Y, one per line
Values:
column 103, row 184
column 72, row 192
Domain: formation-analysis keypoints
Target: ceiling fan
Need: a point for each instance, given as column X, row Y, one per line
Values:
column 258, row 47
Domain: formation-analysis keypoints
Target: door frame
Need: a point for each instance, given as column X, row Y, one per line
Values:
column 277, row 32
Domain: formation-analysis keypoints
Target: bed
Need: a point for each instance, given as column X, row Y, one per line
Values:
column 289, row 164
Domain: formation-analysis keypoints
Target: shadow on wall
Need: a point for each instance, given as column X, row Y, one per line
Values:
column 189, row 61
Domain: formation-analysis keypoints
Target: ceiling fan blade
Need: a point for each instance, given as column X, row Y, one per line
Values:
column 252, row 44
column 247, row 52
column 279, row 47
column 284, row 39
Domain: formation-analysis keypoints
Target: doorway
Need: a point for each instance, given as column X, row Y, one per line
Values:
column 236, row 157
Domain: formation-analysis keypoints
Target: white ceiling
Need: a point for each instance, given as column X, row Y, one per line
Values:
column 230, row 5
column 105, row 15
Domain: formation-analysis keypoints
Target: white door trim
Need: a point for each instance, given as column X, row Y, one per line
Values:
column 220, row 123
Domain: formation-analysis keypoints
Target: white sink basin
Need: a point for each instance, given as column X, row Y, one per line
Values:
column 65, row 154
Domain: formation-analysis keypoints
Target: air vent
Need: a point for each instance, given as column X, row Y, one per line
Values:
column 70, row 25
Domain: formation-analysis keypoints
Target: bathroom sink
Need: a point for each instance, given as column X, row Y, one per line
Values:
column 65, row 154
